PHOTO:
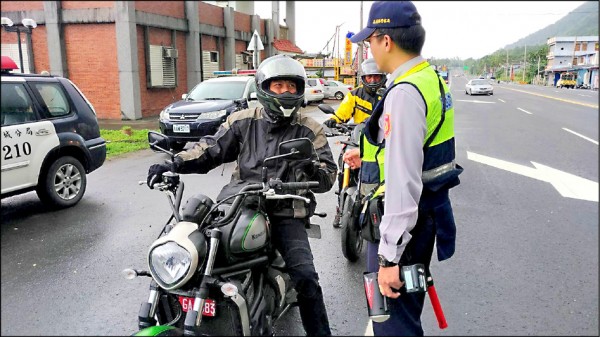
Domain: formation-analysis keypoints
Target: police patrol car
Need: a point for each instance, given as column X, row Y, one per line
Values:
column 50, row 137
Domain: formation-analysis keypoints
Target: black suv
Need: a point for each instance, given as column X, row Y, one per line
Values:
column 50, row 137
column 205, row 108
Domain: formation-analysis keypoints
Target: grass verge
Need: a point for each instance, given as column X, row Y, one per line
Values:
column 125, row 140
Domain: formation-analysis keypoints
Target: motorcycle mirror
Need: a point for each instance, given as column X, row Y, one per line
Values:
column 296, row 149
column 158, row 142
column 326, row 109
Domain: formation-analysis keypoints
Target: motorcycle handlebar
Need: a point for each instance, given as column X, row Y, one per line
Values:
column 300, row 185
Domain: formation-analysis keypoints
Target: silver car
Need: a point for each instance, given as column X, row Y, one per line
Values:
column 479, row 87
column 337, row 89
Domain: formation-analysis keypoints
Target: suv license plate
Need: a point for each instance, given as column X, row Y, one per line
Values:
column 187, row 303
column 181, row 128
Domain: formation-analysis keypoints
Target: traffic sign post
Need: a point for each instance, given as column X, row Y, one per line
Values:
column 255, row 46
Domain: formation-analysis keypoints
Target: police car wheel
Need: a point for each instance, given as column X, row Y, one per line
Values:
column 63, row 183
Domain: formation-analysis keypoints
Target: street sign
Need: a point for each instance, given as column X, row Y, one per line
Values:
column 465, row 68
column 255, row 43
column 255, row 46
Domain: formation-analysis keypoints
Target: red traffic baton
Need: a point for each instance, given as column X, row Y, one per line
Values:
column 435, row 302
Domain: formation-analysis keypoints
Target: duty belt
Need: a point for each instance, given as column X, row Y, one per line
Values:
column 434, row 173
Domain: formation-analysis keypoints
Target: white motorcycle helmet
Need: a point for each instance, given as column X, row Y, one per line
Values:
column 280, row 106
column 369, row 67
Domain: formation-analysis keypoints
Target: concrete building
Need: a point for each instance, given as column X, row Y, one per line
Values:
column 133, row 58
column 577, row 54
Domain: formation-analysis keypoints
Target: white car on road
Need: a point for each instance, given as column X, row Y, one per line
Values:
column 479, row 86
column 314, row 90
column 337, row 89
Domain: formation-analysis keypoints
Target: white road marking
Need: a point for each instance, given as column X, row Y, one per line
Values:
column 501, row 100
column 568, row 185
column 582, row 136
column 369, row 329
column 525, row 111
column 475, row 101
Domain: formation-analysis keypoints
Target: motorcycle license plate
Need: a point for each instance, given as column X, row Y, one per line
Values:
column 181, row 128
column 187, row 303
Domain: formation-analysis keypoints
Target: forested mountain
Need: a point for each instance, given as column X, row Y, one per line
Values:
column 583, row 21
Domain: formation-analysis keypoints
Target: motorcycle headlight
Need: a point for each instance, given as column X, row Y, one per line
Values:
column 213, row 114
column 170, row 263
column 174, row 258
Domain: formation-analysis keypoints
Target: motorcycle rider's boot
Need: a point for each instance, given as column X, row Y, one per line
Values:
column 337, row 217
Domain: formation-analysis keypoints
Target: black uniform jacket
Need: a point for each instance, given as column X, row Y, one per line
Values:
column 248, row 137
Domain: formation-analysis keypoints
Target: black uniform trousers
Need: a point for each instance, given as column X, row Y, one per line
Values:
column 405, row 311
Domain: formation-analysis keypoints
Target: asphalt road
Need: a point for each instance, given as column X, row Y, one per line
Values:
column 526, row 261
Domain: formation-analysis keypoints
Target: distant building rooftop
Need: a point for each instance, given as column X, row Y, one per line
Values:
column 286, row 46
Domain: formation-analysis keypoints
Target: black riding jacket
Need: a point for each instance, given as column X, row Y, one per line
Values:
column 248, row 137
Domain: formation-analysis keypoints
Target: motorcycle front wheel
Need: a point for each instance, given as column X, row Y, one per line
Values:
column 352, row 241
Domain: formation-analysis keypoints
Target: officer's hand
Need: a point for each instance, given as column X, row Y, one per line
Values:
column 388, row 278
column 352, row 158
column 330, row 123
column 155, row 173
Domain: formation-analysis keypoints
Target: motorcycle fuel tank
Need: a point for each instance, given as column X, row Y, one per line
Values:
column 250, row 232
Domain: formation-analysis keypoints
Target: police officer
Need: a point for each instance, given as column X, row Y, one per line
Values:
column 414, row 122
column 249, row 136
column 358, row 105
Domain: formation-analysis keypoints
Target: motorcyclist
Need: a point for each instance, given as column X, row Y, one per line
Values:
column 358, row 105
column 248, row 137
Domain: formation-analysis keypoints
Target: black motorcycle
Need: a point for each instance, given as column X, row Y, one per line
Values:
column 213, row 268
column 350, row 198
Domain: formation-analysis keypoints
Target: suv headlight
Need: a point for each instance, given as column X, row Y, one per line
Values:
column 212, row 114
column 174, row 258
column 164, row 114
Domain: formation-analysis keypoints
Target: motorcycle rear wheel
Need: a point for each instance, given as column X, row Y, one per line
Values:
column 352, row 241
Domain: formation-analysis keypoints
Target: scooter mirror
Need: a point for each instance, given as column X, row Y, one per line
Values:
column 326, row 109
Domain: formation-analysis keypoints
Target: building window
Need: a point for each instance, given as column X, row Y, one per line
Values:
column 596, row 47
column 163, row 68
column 214, row 56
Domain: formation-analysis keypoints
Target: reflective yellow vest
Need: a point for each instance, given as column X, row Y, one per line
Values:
column 439, row 167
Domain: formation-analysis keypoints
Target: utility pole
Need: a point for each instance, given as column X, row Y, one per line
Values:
column 360, row 48
column 506, row 65
column 539, row 58
column 524, row 63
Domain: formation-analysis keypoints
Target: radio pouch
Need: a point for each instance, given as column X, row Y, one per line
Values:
column 370, row 216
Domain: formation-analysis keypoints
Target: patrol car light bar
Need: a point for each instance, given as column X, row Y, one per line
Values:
column 249, row 72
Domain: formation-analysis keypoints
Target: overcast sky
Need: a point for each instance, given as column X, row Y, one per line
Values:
column 454, row 28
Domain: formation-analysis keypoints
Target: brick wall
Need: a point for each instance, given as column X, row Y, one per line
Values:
column 210, row 14
column 39, row 40
column 10, row 6
column 91, row 52
column 242, row 22
column 169, row 8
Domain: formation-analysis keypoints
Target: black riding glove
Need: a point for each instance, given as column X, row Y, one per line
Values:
column 330, row 123
column 155, row 172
